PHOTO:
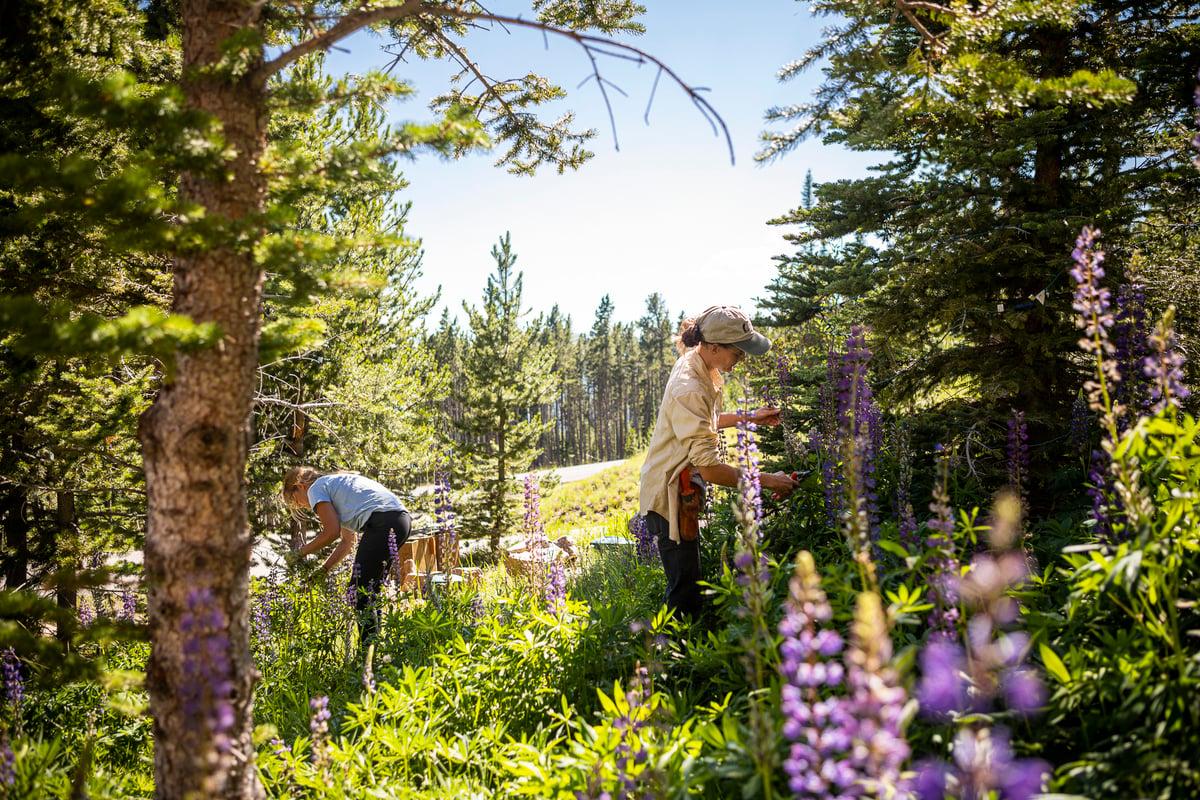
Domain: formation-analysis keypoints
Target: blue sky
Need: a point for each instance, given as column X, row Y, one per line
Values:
column 665, row 213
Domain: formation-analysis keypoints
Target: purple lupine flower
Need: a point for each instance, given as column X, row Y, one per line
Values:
column 128, row 606
column 749, row 483
column 318, row 726
column 444, row 519
column 942, row 689
column 8, row 762
column 1196, row 137
column 959, row 680
column 535, row 536
column 393, row 558
column 753, row 574
column 1023, row 691
column 550, row 577
column 260, row 621
column 477, row 607
column 876, row 701
column 783, row 372
column 87, row 611
column 281, row 750
column 350, row 591
column 1094, row 304
column 632, row 752
column 858, row 432
column 983, row 763
column 96, row 559
column 14, row 685
column 645, row 544
column 206, row 692
column 1164, row 365
column 820, row 730
column 943, row 561
column 555, row 592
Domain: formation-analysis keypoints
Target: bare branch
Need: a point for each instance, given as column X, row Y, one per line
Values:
column 340, row 30
column 274, row 401
column 591, row 45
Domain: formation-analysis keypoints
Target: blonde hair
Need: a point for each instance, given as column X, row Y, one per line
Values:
column 296, row 476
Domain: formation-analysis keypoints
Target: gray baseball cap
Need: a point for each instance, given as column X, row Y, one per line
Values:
column 728, row 325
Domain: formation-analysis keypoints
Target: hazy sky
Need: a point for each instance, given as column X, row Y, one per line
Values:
column 668, row 212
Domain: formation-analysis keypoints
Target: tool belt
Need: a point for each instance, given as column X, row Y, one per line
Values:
column 693, row 496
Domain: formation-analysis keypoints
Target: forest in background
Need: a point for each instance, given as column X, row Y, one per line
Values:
column 163, row 320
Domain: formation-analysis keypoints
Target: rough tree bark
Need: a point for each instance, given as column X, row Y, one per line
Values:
column 196, row 436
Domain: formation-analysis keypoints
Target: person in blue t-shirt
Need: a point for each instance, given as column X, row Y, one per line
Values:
column 347, row 503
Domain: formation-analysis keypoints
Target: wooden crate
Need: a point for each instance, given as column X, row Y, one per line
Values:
column 422, row 549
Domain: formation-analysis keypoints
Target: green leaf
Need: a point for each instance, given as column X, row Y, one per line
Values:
column 1054, row 665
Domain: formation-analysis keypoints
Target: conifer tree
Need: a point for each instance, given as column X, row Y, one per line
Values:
column 507, row 375
column 74, row 298
column 562, row 443
column 1000, row 135
column 656, row 341
column 602, row 379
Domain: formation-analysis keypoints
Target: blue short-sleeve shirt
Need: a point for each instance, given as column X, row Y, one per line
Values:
column 354, row 497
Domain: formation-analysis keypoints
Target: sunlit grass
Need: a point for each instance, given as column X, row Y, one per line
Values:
column 607, row 498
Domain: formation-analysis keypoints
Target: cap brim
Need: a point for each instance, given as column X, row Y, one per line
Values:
column 756, row 345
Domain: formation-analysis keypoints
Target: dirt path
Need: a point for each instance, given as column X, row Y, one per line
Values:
column 576, row 473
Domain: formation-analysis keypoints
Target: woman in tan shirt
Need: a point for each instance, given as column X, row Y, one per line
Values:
column 685, row 436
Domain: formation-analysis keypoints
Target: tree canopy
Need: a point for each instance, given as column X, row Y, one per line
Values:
column 1001, row 132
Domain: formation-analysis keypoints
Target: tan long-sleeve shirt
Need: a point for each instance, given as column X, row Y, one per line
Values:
column 685, row 433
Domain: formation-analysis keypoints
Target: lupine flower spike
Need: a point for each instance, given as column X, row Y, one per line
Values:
column 858, row 438
column 1018, row 455
column 754, row 577
column 206, row 691
column 8, row 763
column 1164, row 365
column 816, row 722
column 1121, row 505
column 14, row 686
column 319, row 728
column 877, row 701
column 943, row 558
column 443, row 509
column 957, row 680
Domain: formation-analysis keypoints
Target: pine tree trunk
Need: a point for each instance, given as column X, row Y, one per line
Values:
column 195, row 440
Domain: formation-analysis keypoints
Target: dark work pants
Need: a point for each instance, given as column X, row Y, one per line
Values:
column 372, row 563
column 681, row 563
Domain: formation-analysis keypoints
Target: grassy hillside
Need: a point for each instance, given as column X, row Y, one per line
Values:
column 606, row 497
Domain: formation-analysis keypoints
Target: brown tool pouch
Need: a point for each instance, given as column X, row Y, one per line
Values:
column 693, row 494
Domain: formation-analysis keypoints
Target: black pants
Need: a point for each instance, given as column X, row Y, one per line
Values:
column 681, row 563
column 372, row 563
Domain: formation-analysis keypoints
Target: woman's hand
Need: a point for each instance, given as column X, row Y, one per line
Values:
column 780, row 483
column 767, row 416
